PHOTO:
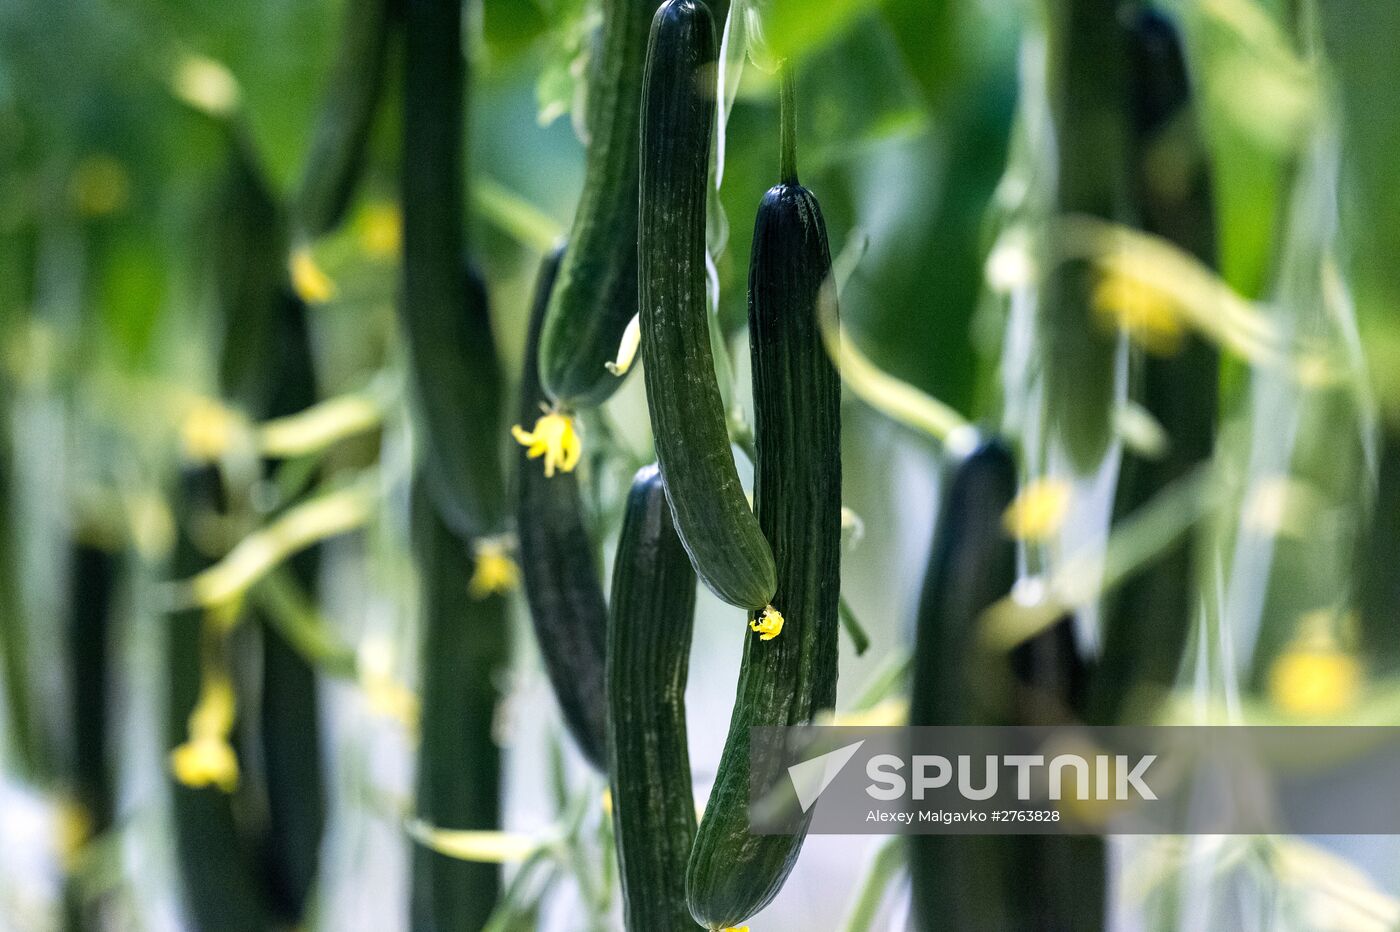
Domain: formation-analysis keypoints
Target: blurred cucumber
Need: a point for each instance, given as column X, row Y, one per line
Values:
column 1149, row 618
column 992, row 882
column 653, row 612
column 341, row 132
column 558, row 566
column 219, row 882
column 1085, row 77
column 454, row 374
column 465, row 650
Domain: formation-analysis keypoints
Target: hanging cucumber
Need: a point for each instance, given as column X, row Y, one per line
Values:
column 787, row 676
column 341, row 133
column 293, row 774
column 653, row 611
column 465, row 650
column 688, row 422
column 557, row 563
column 1004, row 882
column 453, row 370
column 218, row 882
column 1148, row 619
column 1085, row 77
column 597, row 292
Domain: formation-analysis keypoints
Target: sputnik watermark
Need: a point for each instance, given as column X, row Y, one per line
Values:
column 1105, row 777
column 1077, row 780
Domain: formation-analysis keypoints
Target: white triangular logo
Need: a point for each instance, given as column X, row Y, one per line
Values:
column 811, row 777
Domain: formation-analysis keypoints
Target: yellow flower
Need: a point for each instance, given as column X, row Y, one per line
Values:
column 1038, row 510
column 379, row 230
column 736, row 929
column 555, row 438
column 99, row 186
column 208, row 430
column 768, row 624
column 1314, row 676
column 495, row 571
column 309, row 281
column 1149, row 316
column 213, row 716
column 205, row 761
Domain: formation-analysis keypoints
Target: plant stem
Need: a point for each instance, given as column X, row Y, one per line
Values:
column 787, row 110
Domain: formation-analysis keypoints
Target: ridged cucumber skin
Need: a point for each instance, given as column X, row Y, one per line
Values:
column 341, row 133
column 561, row 576
column 453, row 370
column 218, row 874
column 465, row 650
column 1086, row 70
column 653, row 614
column 712, row 516
column 597, row 291
column 1149, row 618
column 733, row 874
column 1001, row 882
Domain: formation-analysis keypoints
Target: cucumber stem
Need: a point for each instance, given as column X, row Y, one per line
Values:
column 787, row 114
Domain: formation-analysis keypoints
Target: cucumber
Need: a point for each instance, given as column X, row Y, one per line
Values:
column 465, row 651
column 249, row 258
column 557, row 564
column 217, row 868
column 1000, row 882
column 454, row 374
column 341, row 133
column 293, row 769
column 597, row 291
column 1085, row 63
column 653, row 612
column 785, row 680
column 712, row 516
column 1148, row 619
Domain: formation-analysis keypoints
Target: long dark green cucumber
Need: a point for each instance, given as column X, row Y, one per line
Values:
column 597, row 291
column 218, row 877
column 688, row 422
column 465, row 650
column 797, row 494
column 289, row 712
column 557, row 562
column 95, row 573
column 653, row 613
column 341, row 134
column 250, row 264
column 1149, row 618
column 1085, row 66
column 453, row 370
column 990, row 883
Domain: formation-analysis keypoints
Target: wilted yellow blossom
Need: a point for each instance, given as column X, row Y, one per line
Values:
column 768, row 624
column 555, row 438
column 495, row 571
column 1149, row 316
column 309, row 280
column 1038, row 511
